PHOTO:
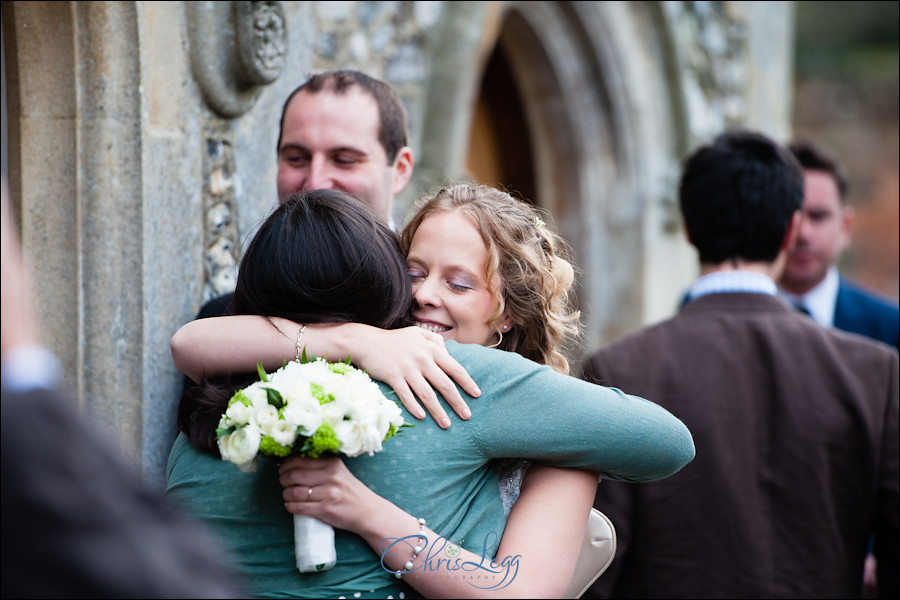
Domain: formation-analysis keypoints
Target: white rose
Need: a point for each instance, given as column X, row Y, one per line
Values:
column 257, row 394
column 333, row 412
column 284, row 433
column 352, row 437
column 359, row 379
column 359, row 436
column 373, row 437
column 389, row 414
column 238, row 414
column 289, row 376
column 303, row 413
column 264, row 418
column 297, row 390
column 241, row 447
column 355, row 399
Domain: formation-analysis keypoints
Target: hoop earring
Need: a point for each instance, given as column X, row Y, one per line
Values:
column 499, row 341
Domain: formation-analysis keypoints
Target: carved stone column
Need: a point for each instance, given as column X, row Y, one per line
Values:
column 237, row 48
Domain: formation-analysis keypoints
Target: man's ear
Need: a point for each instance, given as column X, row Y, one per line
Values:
column 403, row 169
column 684, row 228
column 848, row 217
column 793, row 230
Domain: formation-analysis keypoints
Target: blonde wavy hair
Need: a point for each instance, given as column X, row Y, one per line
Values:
column 532, row 261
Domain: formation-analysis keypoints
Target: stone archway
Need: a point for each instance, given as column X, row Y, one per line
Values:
column 614, row 95
column 108, row 138
column 571, row 85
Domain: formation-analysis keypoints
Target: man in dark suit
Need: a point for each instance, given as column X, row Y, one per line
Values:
column 811, row 281
column 810, row 278
column 77, row 521
column 796, row 426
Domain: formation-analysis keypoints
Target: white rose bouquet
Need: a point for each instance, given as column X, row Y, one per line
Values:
column 307, row 407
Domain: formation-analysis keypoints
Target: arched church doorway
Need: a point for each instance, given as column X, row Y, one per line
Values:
column 500, row 151
column 544, row 127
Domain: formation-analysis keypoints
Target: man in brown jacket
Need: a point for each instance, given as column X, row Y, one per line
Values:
column 796, row 426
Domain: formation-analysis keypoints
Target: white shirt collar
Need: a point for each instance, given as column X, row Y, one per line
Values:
column 819, row 301
column 721, row 282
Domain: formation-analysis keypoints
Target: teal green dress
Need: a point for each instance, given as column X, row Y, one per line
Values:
column 449, row 477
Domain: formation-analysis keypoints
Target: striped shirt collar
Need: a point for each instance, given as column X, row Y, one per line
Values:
column 722, row 282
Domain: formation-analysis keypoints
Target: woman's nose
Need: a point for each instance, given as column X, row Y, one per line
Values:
column 426, row 293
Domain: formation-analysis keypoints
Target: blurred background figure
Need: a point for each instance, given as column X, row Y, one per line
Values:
column 77, row 521
column 796, row 425
column 845, row 99
column 811, row 281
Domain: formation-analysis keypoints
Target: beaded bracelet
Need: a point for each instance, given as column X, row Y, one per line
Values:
column 299, row 337
column 417, row 549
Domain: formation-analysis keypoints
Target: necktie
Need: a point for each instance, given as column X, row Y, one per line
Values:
column 802, row 309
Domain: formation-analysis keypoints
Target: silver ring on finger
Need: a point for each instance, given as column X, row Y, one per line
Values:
column 309, row 495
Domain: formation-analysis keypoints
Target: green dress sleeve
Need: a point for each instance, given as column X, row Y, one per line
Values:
column 528, row 410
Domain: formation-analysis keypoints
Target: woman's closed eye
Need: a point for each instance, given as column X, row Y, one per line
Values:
column 416, row 274
column 458, row 286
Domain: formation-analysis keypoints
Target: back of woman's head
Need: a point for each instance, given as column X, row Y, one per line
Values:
column 322, row 256
column 536, row 276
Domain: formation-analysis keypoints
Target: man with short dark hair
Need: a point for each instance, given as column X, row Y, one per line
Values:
column 341, row 130
column 795, row 425
column 347, row 131
column 811, row 280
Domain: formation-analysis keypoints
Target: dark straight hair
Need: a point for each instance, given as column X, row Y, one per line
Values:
column 321, row 257
column 813, row 157
column 737, row 195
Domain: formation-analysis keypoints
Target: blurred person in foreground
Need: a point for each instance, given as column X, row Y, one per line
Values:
column 795, row 425
column 77, row 521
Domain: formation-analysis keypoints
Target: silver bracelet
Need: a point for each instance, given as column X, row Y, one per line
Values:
column 299, row 337
column 417, row 549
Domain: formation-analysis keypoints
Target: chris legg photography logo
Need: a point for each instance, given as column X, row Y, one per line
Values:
column 485, row 574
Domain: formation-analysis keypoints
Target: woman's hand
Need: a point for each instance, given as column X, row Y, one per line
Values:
column 415, row 363
column 325, row 489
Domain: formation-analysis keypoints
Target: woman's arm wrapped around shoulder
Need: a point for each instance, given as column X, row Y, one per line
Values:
column 414, row 362
column 530, row 411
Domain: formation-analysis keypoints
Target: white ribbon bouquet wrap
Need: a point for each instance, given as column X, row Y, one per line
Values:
column 307, row 407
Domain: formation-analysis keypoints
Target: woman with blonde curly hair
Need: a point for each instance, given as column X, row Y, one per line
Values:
column 485, row 269
column 531, row 264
